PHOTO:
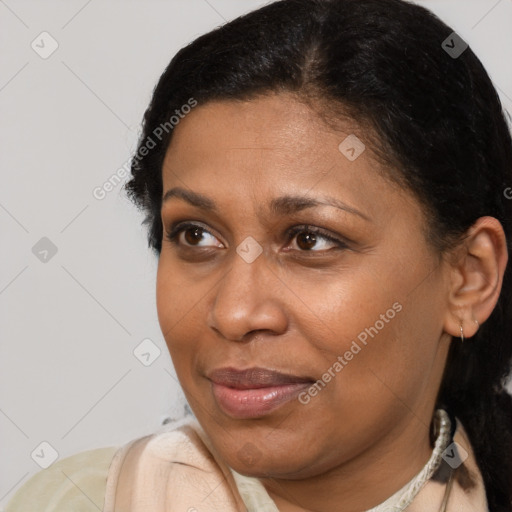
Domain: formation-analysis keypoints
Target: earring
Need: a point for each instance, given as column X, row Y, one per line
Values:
column 461, row 333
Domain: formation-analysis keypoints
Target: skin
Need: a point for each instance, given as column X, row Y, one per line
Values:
column 295, row 310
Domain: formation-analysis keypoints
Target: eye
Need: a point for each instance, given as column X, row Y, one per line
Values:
column 193, row 233
column 307, row 239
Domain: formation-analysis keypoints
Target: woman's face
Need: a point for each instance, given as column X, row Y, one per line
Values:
column 357, row 307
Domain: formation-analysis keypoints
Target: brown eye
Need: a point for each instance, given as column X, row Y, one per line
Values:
column 309, row 238
column 306, row 240
column 193, row 235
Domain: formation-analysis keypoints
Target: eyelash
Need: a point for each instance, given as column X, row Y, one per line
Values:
column 176, row 229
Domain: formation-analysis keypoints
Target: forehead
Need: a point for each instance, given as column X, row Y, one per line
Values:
column 278, row 123
column 269, row 146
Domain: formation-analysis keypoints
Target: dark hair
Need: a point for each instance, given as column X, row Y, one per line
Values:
column 439, row 126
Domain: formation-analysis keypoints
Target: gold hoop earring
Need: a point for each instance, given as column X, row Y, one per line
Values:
column 461, row 334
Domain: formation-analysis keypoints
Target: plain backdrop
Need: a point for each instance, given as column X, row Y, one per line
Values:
column 77, row 281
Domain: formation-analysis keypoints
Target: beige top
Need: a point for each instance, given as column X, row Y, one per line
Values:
column 178, row 470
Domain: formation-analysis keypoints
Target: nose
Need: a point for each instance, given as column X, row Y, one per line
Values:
column 249, row 299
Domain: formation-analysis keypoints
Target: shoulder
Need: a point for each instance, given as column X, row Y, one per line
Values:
column 74, row 483
column 175, row 468
column 178, row 441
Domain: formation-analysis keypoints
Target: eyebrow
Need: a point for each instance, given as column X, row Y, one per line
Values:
column 284, row 205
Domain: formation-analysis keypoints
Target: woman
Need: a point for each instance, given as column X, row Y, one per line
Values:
column 325, row 188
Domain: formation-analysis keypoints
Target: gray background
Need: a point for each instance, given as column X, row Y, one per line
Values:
column 70, row 321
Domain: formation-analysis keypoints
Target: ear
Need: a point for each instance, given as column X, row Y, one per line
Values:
column 476, row 274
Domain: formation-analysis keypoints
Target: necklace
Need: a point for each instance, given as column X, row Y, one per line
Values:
column 405, row 496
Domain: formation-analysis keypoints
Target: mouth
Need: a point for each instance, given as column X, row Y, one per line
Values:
column 254, row 392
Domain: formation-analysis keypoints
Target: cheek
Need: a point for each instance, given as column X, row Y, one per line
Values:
column 176, row 309
column 177, row 314
column 373, row 337
column 178, row 297
column 368, row 378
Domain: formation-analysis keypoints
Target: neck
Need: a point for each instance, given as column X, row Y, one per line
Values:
column 363, row 482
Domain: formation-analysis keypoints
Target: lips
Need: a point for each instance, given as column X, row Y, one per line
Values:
column 254, row 392
column 254, row 378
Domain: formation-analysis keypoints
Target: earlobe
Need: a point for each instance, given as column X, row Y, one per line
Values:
column 477, row 278
column 474, row 330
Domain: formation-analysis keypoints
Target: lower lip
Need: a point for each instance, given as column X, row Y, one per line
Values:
column 253, row 403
